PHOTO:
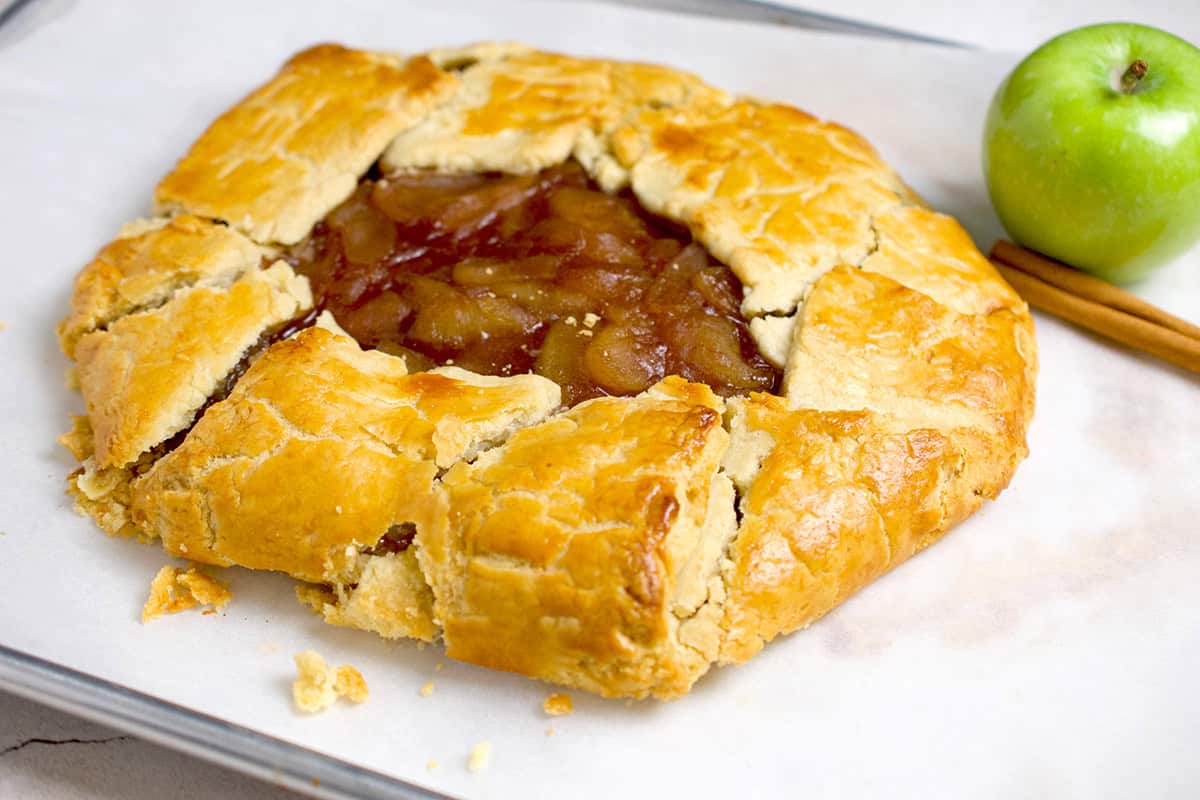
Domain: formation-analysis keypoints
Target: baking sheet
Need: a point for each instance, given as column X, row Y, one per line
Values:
column 1049, row 646
column 1015, row 25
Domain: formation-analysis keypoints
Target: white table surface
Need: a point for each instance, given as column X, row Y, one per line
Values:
column 47, row 754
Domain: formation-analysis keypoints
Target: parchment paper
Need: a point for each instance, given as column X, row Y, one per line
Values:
column 1048, row 647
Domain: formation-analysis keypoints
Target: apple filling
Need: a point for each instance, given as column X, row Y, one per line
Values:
column 545, row 273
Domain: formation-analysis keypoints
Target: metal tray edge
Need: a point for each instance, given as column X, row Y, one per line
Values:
column 179, row 728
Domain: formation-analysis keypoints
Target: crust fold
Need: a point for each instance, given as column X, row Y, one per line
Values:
column 147, row 374
column 581, row 551
column 521, row 110
column 355, row 440
column 288, row 153
column 867, row 342
column 773, row 192
column 147, row 263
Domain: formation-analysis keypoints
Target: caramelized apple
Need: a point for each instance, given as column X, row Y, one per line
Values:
column 625, row 359
column 504, row 274
column 368, row 235
column 561, row 360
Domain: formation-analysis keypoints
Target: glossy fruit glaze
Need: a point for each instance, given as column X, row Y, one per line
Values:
column 544, row 273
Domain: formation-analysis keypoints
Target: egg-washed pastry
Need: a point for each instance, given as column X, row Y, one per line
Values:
column 584, row 369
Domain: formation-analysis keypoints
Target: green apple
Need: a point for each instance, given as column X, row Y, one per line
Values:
column 1092, row 149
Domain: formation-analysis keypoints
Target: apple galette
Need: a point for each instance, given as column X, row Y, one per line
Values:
column 586, row 369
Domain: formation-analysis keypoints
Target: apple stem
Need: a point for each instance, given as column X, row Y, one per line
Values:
column 1133, row 76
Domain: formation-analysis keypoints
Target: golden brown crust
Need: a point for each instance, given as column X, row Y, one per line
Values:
column 597, row 547
column 773, row 192
column 280, row 159
column 831, row 500
column 868, row 342
column 146, row 375
column 582, row 549
column 355, row 440
column 521, row 110
column 147, row 263
column 931, row 253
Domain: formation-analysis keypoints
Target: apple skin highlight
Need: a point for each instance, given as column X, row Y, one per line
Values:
column 1091, row 165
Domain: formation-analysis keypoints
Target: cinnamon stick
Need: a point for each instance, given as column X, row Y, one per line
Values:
column 1083, row 285
column 1098, row 306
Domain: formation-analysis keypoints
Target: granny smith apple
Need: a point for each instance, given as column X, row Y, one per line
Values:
column 1092, row 149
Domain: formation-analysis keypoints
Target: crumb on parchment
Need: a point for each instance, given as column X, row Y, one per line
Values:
column 174, row 589
column 558, row 704
column 317, row 686
column 427, row 689
column 481, row 756
column 431, row 764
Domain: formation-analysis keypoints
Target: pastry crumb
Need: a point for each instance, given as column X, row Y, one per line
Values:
column 79, row 440
column 558, row 704
column 174, row 590
column 206, row 590
column 3, row 325
column 431, row 764
column 550, row 731
column 317, row 686
column 590, row 319
column 427, row 689
column 350, row 684
column 439, row 666
column 480, row 758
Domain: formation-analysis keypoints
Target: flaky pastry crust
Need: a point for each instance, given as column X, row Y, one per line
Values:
column 146, row 264
column 624, row 545
column 830, row 500
column 586, row 549
column 354, row 438
column 280, row 159
column 773, row 192
column 146, row 375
